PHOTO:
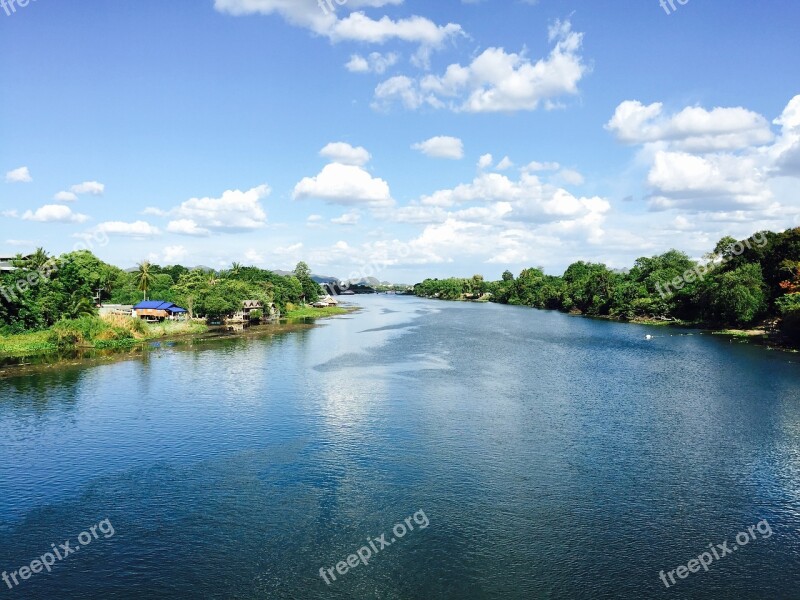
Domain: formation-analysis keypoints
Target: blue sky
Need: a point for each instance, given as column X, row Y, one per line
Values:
column 400, row 139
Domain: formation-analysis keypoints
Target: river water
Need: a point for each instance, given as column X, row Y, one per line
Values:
column 508, row 452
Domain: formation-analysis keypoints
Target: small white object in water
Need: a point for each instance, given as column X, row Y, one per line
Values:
column 648, row 337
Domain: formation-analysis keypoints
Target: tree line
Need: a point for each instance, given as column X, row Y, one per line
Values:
column 741, row 282
column 46, row 289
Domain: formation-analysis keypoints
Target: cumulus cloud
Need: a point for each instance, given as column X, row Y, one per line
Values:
column 65, row 197
column 345, row 154
column 375, row 62
column 786, row 152
column 54, row 213
column 349, row 218
column 504, row 164
column 485, row 161
column 136, row 229
column 525, row 200
column 174, row 254
column 354, row 26
column 234, row 211
column 20, row 175
column 441, row 146
column 496, row 81
column 346, row 185
column 721, row 163
column 186, row 227
column 721, row 181
column 693, row 129
column 93, row 188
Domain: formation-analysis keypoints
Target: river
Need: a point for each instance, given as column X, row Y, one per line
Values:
column 508, row 452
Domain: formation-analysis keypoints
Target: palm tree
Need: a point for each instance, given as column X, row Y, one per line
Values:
column 144, row 278
column 236, row 269
column 38, row 259
column 79, row 306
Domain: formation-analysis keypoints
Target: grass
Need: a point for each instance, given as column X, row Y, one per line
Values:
column 118, row 332
column 26, row 344
column 113, row 332
column 309, row 312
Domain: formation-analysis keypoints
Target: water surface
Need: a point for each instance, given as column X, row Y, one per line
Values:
column 553, row 457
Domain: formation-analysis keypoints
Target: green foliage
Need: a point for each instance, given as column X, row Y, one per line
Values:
column 46, row 291
column 789, row 307
column 310, row 287
column 740, row 282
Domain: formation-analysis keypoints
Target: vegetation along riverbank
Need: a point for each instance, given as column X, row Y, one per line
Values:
column 50, row 304
column 748, row 288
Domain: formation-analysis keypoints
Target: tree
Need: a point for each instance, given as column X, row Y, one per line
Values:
column 144, row 278
column 310, row 287
column 738, row 296
column 38, row 259
column 80, row 306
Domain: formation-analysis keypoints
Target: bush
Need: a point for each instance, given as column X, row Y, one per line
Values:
column 789, row 307
column 77, row 332
column 100, row 332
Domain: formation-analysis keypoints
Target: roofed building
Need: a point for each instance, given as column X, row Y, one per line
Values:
column 158, row 310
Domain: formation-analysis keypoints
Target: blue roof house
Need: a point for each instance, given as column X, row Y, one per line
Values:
column 158, row 310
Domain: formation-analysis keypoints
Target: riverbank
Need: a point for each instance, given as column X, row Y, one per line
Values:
column 120, row 334
column 766, row 334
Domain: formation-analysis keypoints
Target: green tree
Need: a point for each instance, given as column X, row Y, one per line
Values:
column 144, row 278
column 310, row 287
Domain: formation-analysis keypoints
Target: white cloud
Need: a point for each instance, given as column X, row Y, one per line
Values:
column 349, row 218
column 156, row 212
column 174, row 254
column 504, row 164
column 720, row 163
column 94, row 188
column 54, row 213
column 186, row 227
column 525, row 200
column 65, row 197
column 485, row 161
column 570, row 176
column 361, row 28
column 20, row 175
column 541, row 166
column 693, row 129
column 234, row 211
column 355, row 26
column 442, row 146
column 289, row 249
column 719, row 181
column 375, row 62
column 345, row 154
column 496, row 81
column 346, row 185
column 786, row 152
column 137, row 229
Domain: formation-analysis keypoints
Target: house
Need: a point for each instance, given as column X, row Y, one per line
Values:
column 7, row 262
column 158, row 310
column 123, row 310
column 325, row 302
